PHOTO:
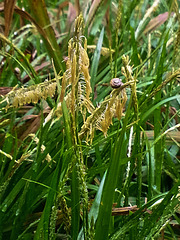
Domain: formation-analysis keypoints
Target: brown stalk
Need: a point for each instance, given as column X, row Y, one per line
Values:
column 127, row 210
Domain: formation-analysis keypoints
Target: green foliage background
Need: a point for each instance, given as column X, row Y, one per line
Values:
column 119, row 185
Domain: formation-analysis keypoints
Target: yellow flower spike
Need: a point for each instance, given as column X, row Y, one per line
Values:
column 28, row 98
column 21, row 100
column 84, row 60
column 15, row 102
column 35, row 98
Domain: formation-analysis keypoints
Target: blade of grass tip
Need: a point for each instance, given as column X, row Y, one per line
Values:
column 25, row 60
column 104, row 216
column 95, row 62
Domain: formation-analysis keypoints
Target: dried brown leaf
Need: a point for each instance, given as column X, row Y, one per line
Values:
column 156, row 22
column 8, row 14
column 27, row 16
column 95, row 5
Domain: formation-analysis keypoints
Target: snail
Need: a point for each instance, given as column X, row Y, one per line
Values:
column 116, row 83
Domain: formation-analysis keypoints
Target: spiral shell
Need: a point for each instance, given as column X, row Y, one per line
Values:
column 116, row 83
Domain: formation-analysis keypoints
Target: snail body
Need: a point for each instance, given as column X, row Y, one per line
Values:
column 116, row 83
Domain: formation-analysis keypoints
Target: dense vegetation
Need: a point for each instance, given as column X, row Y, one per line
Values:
column 89, row 119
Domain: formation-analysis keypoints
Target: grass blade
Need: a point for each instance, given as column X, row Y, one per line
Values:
column 104, row 216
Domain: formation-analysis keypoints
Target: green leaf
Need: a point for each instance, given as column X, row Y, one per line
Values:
column 96, row 57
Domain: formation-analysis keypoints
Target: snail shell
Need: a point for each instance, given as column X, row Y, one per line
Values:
column 116, row 83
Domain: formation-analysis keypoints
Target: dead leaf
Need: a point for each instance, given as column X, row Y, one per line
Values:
column 8, row 14
column 157, row 21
